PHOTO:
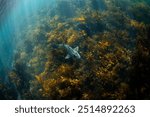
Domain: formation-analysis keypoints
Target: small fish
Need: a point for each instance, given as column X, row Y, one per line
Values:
column 72, row 52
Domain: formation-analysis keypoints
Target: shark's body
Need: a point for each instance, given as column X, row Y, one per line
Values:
column 72, row 52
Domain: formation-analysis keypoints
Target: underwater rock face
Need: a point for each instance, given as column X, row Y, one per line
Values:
column 113, row 38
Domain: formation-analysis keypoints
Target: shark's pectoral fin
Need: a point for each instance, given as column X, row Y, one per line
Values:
column 67, row 57
column 76, row 49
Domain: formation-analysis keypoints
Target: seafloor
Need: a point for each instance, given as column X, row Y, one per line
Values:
column 113, row 37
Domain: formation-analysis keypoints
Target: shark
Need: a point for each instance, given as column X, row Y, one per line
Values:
column 71, row 52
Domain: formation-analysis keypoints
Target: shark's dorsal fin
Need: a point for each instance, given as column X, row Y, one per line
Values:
column 67, row 57
column 76, row 48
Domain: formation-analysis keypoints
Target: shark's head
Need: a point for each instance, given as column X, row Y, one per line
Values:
column 77, row 55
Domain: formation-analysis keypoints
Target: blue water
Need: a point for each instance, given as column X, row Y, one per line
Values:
column 19, row 17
